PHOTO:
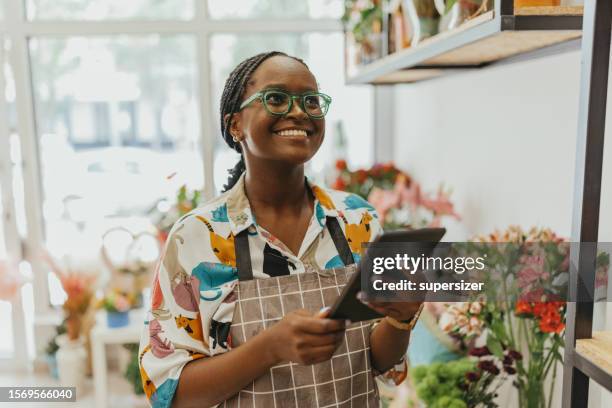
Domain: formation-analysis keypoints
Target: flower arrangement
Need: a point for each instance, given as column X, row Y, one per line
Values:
column 527, row 271
column 363, row 20
column 165, row 216
column 78, row 284
column 468, row 382
column 116, row 302
column 398, row 199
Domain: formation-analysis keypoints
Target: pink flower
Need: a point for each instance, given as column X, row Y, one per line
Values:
column 10, row 280
column 122, row 304
column 475, row 308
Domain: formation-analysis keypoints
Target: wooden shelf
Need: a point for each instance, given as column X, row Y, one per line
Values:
column 476, row 43
column 594, row 357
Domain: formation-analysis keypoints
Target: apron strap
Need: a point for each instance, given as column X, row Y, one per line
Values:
column 243, row 256
column 340, row 241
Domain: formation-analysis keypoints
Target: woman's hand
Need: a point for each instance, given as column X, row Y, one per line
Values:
column 402, row 311
column 305, row 338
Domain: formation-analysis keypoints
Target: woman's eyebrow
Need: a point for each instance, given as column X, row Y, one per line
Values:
column 284, row 87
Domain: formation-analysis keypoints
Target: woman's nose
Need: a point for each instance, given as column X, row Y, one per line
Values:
column 296, row 109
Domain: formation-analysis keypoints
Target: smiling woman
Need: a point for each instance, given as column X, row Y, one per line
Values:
column 237, row 300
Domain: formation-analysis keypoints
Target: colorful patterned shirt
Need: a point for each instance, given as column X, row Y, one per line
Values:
column 192, row 301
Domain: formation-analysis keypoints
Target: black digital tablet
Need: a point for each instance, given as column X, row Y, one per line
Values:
column 347, row 306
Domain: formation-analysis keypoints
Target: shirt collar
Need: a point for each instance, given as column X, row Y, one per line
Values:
column 241, row 217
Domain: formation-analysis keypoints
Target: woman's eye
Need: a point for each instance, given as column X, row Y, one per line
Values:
column 276, row 98
column 312, row 101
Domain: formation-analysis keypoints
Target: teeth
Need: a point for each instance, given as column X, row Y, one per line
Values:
column 292, row 132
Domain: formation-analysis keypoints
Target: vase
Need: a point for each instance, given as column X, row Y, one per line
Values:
column 51, row 360
column 117, row 319
column 71, row 361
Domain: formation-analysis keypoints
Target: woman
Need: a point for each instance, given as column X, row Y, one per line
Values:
column 273, row 225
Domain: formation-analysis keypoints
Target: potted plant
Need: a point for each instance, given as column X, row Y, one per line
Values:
column 117, row 306
column 363, row 22
column 52, row 348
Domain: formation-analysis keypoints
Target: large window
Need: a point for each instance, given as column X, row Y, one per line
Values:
column 109, row 9
column 114, row 117
column 229, row 9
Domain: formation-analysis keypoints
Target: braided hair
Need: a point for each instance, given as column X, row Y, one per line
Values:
column 231, row 99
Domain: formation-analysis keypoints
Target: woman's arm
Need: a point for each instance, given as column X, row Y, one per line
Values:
column 388, row 345
column 299, row 337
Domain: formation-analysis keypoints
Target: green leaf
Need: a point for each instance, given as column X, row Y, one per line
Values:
column 449, row 5
column 495, row 347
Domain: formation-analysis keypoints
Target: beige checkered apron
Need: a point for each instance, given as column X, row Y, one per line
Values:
column 344, row 381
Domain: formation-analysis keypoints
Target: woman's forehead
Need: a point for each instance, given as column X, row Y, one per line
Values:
column 284, row 72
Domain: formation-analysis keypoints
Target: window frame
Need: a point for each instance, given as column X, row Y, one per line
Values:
column 18, row 30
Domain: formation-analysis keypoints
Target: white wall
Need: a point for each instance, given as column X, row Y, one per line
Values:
column 504, row 139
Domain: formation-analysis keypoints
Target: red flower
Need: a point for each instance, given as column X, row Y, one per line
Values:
column 515, row 354
column 522, row 307
column 480, row 351
column 341, row 164
column 472, row 376
column 551, row 322
column 339, row 184
column 509, row 369
column 489, row 366
column 362, row 176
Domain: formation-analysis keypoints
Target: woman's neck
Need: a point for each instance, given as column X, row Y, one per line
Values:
column 280, row 187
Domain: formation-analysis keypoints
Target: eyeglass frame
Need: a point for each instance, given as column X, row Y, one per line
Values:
column 260, row 95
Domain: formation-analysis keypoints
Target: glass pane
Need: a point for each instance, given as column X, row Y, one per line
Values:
column 275, row 9
column 118, row 128
column 323, row 54
column 109, row 9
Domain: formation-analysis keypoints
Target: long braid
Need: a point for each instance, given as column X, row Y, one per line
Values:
column 231, row 98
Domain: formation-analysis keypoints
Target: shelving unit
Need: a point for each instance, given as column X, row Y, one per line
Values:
column 494, row 36
column 507, row 35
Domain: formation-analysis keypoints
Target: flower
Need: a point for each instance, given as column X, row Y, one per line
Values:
column 475, row 307
column 10, row 280
column 479, row 351
column 522, row 308
column 509, row 369
column 515, row 355
column 488, row 366
column 472, row 376
column 341, row 164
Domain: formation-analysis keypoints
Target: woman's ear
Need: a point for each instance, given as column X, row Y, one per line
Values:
column 234, row 127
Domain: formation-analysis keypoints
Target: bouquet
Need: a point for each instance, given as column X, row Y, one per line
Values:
column 78, row 285
column 526, row 276
column 116, row 302
column 398, row 199
column 164, row 215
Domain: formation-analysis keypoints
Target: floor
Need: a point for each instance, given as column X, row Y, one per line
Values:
column 120, row 389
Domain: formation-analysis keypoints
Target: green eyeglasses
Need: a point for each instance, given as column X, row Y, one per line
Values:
column 278, row 102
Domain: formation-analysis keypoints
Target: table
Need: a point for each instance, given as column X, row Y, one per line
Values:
column 101, row 336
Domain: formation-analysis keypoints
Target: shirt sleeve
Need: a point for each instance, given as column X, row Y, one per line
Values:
column 191, row 309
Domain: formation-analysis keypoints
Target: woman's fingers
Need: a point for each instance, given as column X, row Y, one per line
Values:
column 317, row 340
column 317, row 325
